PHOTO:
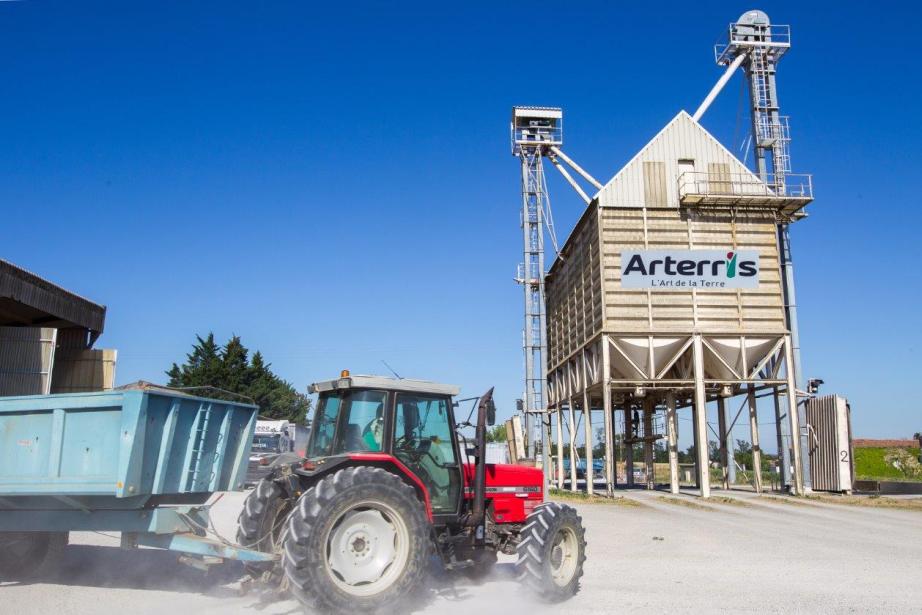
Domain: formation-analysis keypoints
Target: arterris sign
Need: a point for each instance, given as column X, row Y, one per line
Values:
column 690, row 269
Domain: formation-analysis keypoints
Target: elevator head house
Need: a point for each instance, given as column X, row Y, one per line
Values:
column 668, row 293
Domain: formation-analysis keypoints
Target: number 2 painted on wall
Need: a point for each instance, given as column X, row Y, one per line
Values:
column 844, row 456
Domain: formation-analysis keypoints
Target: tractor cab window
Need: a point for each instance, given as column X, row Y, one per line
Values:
column 423, row 441
column 348, row 422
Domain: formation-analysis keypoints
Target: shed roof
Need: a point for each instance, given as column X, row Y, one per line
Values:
column 29, row 300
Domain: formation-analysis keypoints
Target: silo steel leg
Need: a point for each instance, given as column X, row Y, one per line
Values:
column 722, row 430
column 793, row 417
column 756, row 448
column 701, row 419
column 673, row 442
column 559, row 447
column 587, row 418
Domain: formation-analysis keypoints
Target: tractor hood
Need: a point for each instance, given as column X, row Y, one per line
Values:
column 507, row 475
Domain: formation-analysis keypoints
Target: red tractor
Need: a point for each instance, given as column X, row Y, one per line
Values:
column 384, row 485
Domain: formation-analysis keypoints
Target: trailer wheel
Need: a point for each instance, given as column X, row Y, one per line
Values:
column 26, row 554
column 358, row 541
column 552, row 551
column 261, row 526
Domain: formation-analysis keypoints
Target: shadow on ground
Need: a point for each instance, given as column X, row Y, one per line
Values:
column 150, row 569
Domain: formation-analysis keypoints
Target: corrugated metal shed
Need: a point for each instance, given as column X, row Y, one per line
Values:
column 26, row 360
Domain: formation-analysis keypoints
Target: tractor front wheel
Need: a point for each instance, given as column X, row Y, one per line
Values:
column 358, row 541
column 552, row 551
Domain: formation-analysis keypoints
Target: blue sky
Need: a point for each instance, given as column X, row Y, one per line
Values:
column 334, row 184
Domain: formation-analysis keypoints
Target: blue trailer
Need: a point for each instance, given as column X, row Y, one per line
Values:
column 143, row 462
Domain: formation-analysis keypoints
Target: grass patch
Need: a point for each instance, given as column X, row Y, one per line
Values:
column 873, row 501
column 686, row 502
column 583, row 498
column 872, row 464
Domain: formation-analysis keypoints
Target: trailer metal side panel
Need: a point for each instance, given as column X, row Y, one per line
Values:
column 122, row 444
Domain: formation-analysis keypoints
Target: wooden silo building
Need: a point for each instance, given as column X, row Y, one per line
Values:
column 668, row 295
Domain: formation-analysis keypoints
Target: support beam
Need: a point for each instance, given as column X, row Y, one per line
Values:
column 722, row 437
column 701, row 418
column 793, row 417
column 754, row 437
column 559, row 447
column 649, row 407
column 784, row 462
column 571, row 428
column 628, row 445
column 571, row 181
column 546, row 448
column 589, row 178
column 672, row 438
column 607, row 417
column 718, row 86
column 587, row 419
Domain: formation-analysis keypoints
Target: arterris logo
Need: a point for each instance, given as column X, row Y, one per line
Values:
column 695, row 269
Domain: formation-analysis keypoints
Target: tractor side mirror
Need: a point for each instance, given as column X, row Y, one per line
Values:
column 491, row 412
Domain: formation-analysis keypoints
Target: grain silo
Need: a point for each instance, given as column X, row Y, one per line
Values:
column 668, row 292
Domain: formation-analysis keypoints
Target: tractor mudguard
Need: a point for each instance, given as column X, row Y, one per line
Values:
column 311, row 472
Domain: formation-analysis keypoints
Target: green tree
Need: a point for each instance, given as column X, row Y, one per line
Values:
column 743, row 454
column 230, row 368
column 497, row 434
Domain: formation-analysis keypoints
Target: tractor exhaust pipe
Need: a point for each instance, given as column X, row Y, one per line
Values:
column 486, row 413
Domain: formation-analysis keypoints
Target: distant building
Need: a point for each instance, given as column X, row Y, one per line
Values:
column 872, row 443
column 46, row 338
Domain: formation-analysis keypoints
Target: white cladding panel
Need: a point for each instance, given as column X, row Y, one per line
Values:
column 683, row 145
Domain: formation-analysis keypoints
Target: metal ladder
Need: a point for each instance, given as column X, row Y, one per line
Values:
column 199, row 435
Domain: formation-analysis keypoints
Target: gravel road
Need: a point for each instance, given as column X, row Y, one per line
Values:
column 753, row 555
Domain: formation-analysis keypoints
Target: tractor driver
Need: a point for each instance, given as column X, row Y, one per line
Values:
column 373, row 433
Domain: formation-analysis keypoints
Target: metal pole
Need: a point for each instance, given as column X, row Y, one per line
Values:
column 546, row 447
column 784, row 462
column 701, row 419
column 571, row 428
column 722, row 430
column 571, row 181
column 790, row 309
column 606, row 413
column 589, row 178
column 559, row 448
column 754, row 437
column 718, row 86
column 648, row 408
column 793, row 418
column 672, row 436
column 587, row 418
column 628, row 442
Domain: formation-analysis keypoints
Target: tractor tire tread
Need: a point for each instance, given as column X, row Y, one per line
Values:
column 533, row 550
column 254, row 526
column 304, row 564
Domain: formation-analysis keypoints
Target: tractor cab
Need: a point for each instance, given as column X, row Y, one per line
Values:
column 409, row 420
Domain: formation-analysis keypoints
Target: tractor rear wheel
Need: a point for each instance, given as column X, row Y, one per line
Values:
column 357, row 541
column 26, row 554
column 552, row 551
column 261, row 526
